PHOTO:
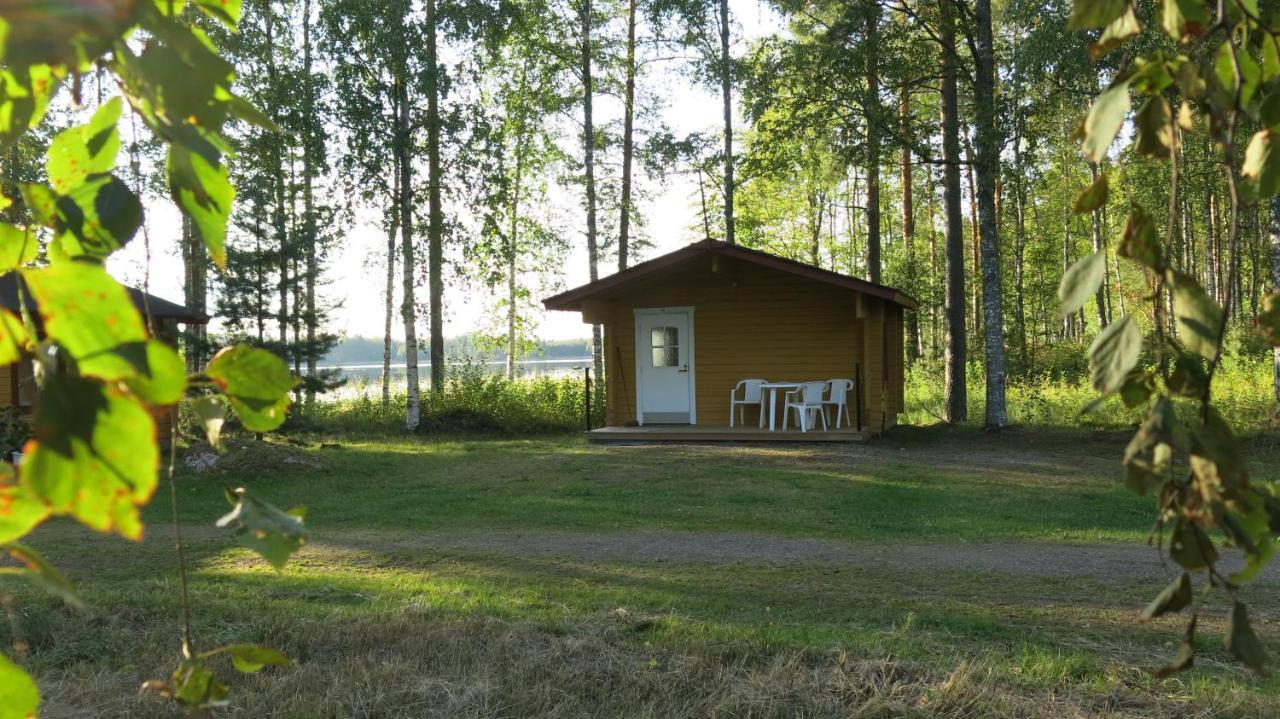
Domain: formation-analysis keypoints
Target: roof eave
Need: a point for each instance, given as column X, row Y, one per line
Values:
column 570, row 300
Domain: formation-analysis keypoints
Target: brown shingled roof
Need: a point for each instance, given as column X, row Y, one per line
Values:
column 571, row 299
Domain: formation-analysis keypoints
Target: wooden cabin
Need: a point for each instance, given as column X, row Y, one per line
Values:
column 711, row 314
column 17, row 381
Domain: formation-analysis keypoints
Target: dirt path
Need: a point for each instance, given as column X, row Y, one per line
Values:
column 1111, row 562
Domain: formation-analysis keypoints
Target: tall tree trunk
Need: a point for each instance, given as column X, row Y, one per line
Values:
column 1275, row 284
column 957, row 409
column 308, row 205
column 1101, row 297
column 1068, row 321
column 854, row 186
column 392, row 229
column 987, row 145
column 908, row 224
column 1019, row 217
column 194, row 291
column 435, row 228
column 408, row 306
column 973, row 231
column 706, row 218
column 278, row 190
column 726, row 96
column 260, row 274
column 589, row 161
column 628, row 120
column 1255, row 261
column 1211, row 242
column 1020, row 238
column 513, row 245
column 871, row 106
column 817, row 204
column 1107, row 264
column 295, row 287
column 934, row 314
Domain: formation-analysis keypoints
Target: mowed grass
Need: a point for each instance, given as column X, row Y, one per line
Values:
column 966, row 487
column 386, row 617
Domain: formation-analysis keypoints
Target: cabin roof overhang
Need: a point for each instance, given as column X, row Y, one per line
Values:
column 571, row 300
column 148, row 304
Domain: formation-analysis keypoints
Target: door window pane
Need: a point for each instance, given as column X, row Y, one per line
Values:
column 665, row 346
column 666, row 356
column 665, row 336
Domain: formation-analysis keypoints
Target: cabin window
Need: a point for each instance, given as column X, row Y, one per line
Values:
column 665, row 346
column 25, row 383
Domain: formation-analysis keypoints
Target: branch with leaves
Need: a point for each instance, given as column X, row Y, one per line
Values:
column 1218, row 64
column 94, row 455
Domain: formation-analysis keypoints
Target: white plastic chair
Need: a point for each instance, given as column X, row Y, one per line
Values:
column 751, row 395
column 807, row 402
column 838, row 397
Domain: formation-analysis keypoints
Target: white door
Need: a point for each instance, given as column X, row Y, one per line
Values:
column 664, row 359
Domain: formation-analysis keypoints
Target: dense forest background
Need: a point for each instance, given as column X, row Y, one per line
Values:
column 930, row 146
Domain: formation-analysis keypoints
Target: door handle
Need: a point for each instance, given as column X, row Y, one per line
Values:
column 684, row 368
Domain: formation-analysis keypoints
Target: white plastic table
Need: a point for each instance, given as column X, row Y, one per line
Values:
column 773, row 388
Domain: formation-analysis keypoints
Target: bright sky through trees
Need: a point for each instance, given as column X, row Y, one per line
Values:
column 671, row 213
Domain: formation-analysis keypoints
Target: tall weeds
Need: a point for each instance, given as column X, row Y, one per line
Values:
column 471, row 402
column 1242, row 392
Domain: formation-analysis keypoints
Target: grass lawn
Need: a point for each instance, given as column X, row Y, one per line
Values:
column 933, row 573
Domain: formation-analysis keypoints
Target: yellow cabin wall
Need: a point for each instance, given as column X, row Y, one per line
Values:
column 752, row 321
column 164, row 428
column 6, row 385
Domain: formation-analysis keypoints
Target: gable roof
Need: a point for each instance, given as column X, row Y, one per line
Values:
column 572, row 299
column 159, row 307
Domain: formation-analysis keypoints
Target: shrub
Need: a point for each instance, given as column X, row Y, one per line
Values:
column 471, row 402
column 1242, row 393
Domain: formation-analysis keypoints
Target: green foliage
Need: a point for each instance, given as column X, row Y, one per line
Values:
column 1268, row 319
column 1054, row 392
column 20, row 510
column 472, row 402
column 251, row 658
column 1175, row 597
column 37, row 570
column 1105, row 118
column 204, row 192
column 17, row 247
column 14, row 430
column 211, row 412
column 1199, row 316
column 1140, row 242
column 1241, row 641
column 1092, row 197
column 94, row 454
column 1114, row 353
column 256, row 384
column 90, row 316
column 24, row 94
column 1194, row 457
column 1081, row 282
column 19, row 696
column 274, row 534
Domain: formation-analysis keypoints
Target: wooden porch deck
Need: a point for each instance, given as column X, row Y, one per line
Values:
column 703, row 433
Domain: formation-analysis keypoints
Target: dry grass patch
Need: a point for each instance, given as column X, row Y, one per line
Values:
column 423, row 664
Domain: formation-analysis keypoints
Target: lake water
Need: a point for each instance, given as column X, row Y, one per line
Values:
column 367, row 378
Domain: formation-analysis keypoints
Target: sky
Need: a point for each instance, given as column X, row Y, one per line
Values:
column 670, row 214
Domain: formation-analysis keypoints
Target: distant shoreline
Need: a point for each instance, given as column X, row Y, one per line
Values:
column 583, row 361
